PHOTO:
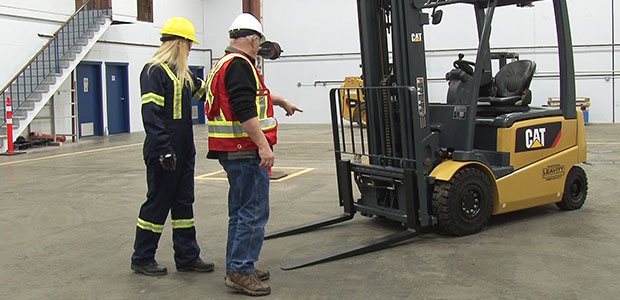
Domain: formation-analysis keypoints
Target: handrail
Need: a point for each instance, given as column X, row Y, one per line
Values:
column 44, row 47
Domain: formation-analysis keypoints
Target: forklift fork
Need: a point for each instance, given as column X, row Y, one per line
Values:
column 365, row 247
column 310, row 226
column 345, row 193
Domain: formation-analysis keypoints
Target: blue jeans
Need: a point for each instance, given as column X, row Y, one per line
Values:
column 248, row 211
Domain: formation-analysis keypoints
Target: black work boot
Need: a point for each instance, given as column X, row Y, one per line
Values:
column 150, row 269
column 197, row 265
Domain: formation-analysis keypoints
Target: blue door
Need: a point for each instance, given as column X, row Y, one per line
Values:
column 89, row 94
column 198, row 107
column 117, row 90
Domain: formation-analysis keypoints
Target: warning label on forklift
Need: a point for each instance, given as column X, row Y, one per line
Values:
column 537, row 137
column 553, row 172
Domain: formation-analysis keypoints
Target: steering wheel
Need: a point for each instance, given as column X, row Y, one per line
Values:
column 464, row 65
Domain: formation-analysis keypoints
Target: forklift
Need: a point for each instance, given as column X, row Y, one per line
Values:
column 450, row 165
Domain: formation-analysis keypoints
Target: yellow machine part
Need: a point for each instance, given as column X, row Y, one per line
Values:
column 539, row 172
column 352, row 100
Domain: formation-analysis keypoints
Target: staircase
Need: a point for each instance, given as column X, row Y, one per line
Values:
column 33, row 86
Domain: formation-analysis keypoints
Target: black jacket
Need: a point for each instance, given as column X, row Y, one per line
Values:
column 164, row 134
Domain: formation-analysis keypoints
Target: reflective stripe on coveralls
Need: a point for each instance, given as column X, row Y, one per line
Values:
column 200, row 91
column 177, row 113
column 182, row 223
column 154, row 98
column 177, row 97
column 176, row 224
column 156, row 228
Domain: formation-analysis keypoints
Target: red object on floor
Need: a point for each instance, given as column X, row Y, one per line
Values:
column 41, row 135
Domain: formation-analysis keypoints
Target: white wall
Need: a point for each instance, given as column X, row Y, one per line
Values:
column 218, row 16
column 318, row 38
column 125, row 11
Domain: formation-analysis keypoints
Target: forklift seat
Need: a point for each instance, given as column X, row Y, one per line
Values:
column 512, row 84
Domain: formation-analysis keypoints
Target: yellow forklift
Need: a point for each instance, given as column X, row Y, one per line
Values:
column 482, row 151
column 352, row 103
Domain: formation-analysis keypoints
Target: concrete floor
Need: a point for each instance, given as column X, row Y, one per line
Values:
column 68, row 215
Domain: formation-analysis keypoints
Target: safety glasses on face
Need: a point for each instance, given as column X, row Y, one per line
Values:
column 261, row 39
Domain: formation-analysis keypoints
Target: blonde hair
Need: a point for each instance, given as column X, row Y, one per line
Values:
column 174, row 53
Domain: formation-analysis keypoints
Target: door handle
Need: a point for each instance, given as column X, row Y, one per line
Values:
column 122, row 98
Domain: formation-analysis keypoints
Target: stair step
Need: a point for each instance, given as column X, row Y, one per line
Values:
column 36, row 87
column 15, row 126
column 17, row 116
column 35, row 96
column 71, row 55
column 28, row 105
column 64, row 63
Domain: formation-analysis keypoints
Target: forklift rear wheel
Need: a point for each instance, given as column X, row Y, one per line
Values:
column 463, row 204
column 575, row 189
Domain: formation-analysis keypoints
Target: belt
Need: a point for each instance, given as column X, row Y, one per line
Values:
column 250, row 154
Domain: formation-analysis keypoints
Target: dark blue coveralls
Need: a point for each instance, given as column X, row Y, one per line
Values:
column 166, row 115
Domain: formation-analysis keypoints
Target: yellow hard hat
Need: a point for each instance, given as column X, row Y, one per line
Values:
column 181, row 27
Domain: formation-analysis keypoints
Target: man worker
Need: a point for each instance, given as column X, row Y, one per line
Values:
column 242, row 132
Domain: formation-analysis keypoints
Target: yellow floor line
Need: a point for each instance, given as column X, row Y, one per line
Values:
column 291, row 176
column 301, row 171
column 206, row 176
column 69, row 154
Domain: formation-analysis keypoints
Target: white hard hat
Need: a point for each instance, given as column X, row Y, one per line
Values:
column 243, row 25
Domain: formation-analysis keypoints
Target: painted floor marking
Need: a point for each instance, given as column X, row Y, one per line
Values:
column 69, row 154
column 216, row 175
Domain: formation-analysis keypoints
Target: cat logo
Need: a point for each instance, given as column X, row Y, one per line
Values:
column 416, row 37
column 537, row 137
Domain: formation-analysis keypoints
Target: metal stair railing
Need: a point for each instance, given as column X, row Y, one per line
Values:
column 41, row 70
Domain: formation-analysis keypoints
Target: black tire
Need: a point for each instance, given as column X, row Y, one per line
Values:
column 358, row 112
column 355, row 115
column 463, row 204
column 575, row 190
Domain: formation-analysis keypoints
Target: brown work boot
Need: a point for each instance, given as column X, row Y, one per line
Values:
column 247, row 284
column 262, row 275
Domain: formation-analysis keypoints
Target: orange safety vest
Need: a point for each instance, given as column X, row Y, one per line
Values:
column 225, row 131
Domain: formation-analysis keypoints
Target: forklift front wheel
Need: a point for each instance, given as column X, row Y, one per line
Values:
column 575, row 189
column 463, row 204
